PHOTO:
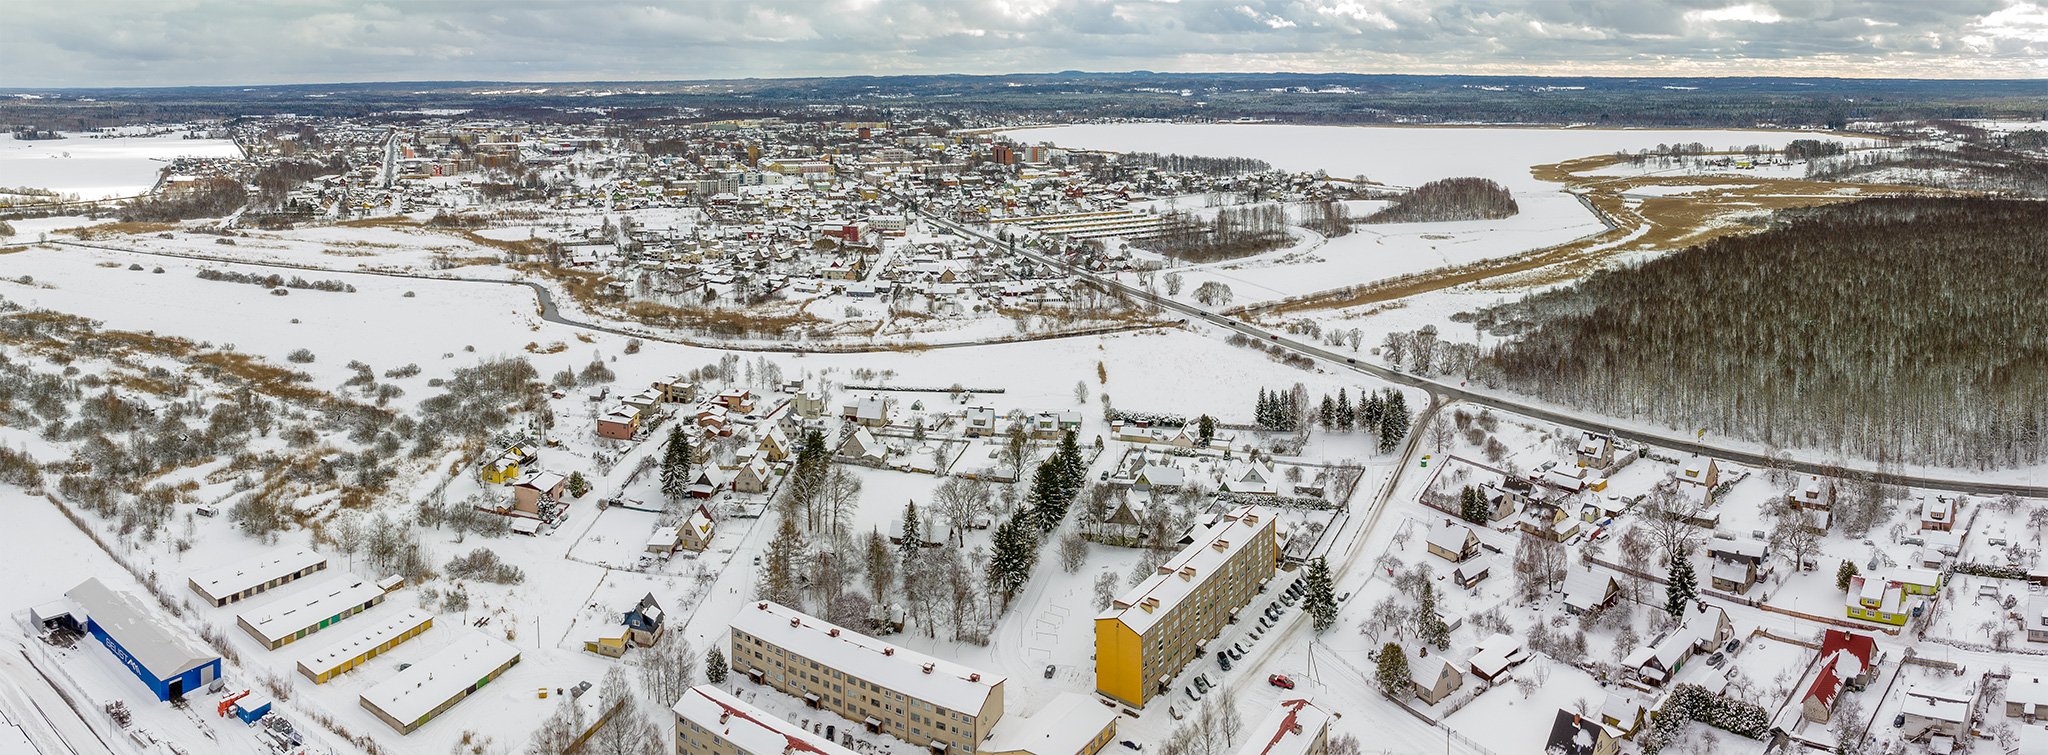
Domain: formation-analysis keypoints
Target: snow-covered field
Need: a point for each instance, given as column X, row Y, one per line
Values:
column 98, row 168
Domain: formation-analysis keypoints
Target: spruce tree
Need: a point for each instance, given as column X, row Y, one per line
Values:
column 714, row 666
column 1205, row 429
column 675, row 465
column 1472, row 505
column 1370, row 411
column 1394, row 424
column 1392, row 673
column 1318, row 597
column 1328, row 415
column 1263, row 416
column 913, row 537
column 1344, row 412
column 1047, row 507
column 1009, row 567
column 1681, row 589
column 1847, row 572
column 1430, row 626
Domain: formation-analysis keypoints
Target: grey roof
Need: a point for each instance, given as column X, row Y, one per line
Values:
column 165, row 650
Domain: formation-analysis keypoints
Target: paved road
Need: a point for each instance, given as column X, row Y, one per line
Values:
column 1446, row 392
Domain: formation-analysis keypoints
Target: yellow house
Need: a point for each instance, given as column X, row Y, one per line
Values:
column 506, row 467
column 1157, row 627
column 608, row 645
column 1878, row 600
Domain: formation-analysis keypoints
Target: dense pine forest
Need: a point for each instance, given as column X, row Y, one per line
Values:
column 1450, row 199
column 1909, row 330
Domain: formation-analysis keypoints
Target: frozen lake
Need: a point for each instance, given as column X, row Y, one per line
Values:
column 1399, row 155
column 98, row 168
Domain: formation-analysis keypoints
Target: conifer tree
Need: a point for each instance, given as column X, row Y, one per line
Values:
column 1394, row 424
column 1392, row 673
column 714, row 665
column 1430, row 626
column 1682, row 588
column 1328, row 415
column 1318, row 595
column 1263, row 416
column 1009, row 567
column 1472, row 505
column 913, row 537
column 1344, row 411
column 675, row 465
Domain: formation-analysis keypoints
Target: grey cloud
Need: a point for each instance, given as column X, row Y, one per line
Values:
column 173, row 42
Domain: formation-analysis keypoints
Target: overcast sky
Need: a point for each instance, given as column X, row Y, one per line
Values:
column 227, row 42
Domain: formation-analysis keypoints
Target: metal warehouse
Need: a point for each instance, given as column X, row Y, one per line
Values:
column 167, row 659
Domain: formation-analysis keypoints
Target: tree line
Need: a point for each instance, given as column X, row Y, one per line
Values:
column 1889, row 329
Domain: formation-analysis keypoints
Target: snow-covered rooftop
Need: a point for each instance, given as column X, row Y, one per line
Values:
column 417, row 691
column 363, row 640
column 906, row 671
column 1290, row 729
column 165, row 650
column 1213, row 547
column 316, row 604
column 222, row 581
column 751, row 729
column 1062, row 727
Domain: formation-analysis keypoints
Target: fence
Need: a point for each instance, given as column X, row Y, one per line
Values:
column 91, row 711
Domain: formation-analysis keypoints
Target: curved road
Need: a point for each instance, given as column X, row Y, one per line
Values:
column 1441, row 392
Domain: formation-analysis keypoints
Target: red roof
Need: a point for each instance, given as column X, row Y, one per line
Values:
column 1828, row 683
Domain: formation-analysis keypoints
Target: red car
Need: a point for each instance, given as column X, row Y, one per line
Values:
column 1281, row 681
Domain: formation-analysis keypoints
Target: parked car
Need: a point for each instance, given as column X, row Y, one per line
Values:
column 1234, row 654
column 1716, row 660
column 1048, row 670
column 1281, row 681
column 1344, row 597
column 1223, row 659
column 1734, row 644
column 1237, row 647
column 1899, row 721
column 1132, row 745
column 1194, row 695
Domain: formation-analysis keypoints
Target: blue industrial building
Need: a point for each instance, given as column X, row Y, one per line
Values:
column 163, row 656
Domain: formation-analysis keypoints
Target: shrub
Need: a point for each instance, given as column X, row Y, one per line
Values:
column 300, row 356
column 483, row 565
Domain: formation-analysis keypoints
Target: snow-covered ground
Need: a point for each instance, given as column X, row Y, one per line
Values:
column 98, row 168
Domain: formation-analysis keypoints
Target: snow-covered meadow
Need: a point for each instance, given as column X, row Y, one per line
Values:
column 98, row 168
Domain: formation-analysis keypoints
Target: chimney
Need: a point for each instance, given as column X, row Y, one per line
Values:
column 795, row 622
column 927, row 668
column 1221, row 545
column 723, row 715
column 763, row 605
column 1425, row 651
column 1187, row 574
column 888, row 651
column 834, row 632
column 973, row 677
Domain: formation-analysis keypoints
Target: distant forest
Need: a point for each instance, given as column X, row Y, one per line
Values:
column 1907, row 330
column 1235, row 232
column 1450, row 199
column 1208, row 166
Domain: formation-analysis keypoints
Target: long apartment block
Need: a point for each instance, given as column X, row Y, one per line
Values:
column 917, row 698
column 1157, row 627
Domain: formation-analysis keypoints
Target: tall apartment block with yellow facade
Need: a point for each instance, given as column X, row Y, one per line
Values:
column 1154, row 629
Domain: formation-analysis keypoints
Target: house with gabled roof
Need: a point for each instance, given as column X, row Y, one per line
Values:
column 1453, row 541
column 1573, row 734
column 1588, row 588
column 1252, row 478
column 1847, row 659
column 753, row 476
column 862, row 446
column 1700, row 470
column 775, row 443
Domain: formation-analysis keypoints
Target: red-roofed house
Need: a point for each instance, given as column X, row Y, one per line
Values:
column 1297, row 727
column 1845, row 660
